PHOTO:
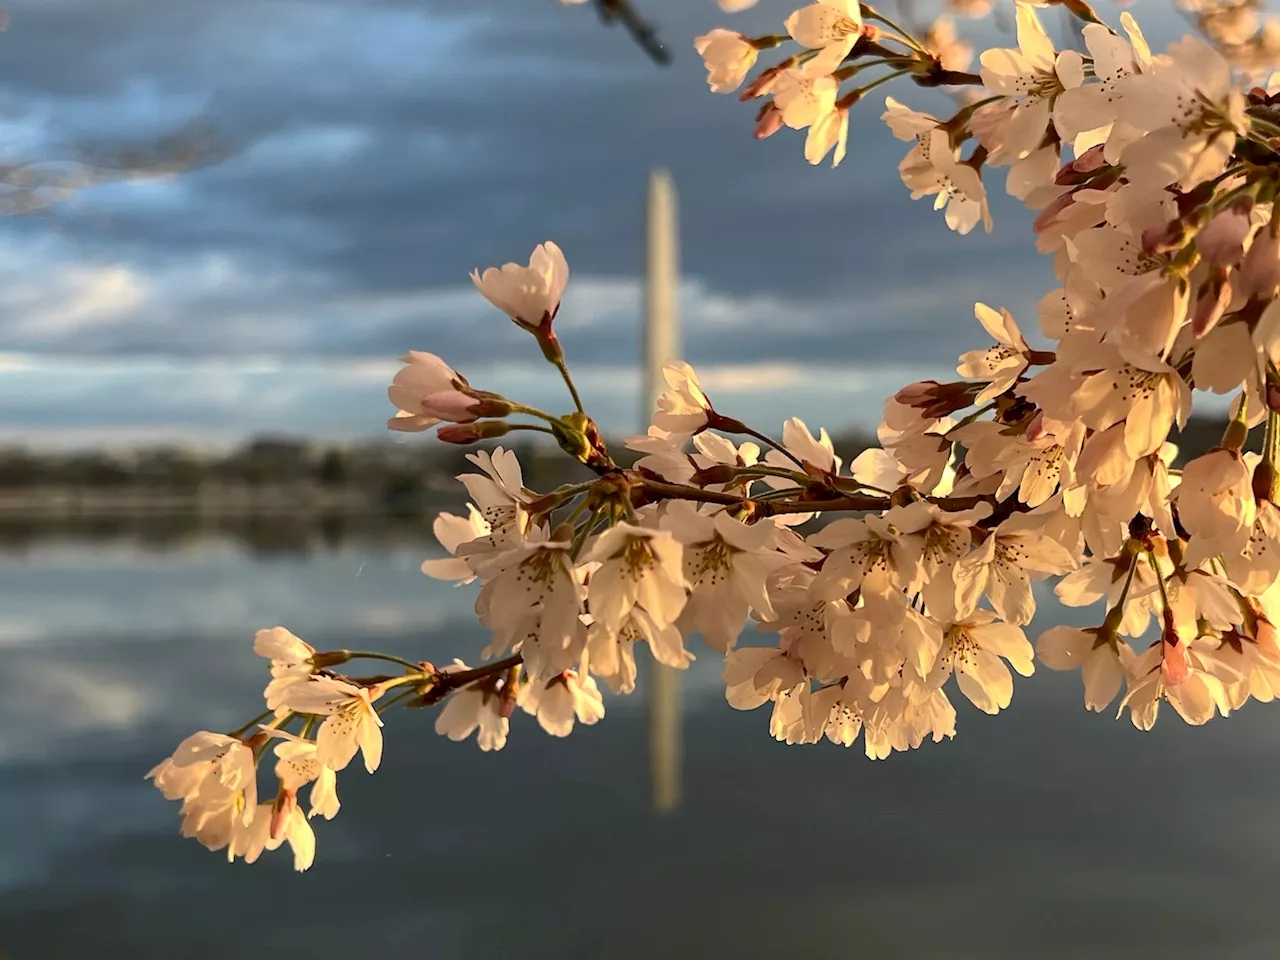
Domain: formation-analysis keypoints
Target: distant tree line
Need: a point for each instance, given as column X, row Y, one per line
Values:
column 387, row 471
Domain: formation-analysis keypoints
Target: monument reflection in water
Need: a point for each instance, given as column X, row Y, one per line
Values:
column 1044, row 832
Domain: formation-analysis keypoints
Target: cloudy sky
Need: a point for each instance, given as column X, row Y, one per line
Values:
column 393, row 145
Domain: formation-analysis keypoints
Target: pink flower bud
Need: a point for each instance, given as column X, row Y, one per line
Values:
column 768, row 121
column 464, row 433
column 285, row 801
column 450, row 405
column 1212, row 300
column 1175, row 666
column 1221, row 240
column 936, row 399
column 1073, row 173
column 917, row 394
column 1260, row 274
column 1035, row 429
column 764, row 83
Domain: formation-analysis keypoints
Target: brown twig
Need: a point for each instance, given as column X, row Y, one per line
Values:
column 642, row 32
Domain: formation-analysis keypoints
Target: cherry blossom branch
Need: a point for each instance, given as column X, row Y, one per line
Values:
column 447, row 682
column 641, row 31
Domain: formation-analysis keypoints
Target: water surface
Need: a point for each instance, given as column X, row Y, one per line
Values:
column 1045, row 832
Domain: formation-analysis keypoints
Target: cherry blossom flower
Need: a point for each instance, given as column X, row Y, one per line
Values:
column 1002, row 569
column 291, row 661
column 819, row 453
column 861, row 550
column 829, row 26
column 726, row 564
column 1000, row 365
column 298, row 764
column 972, row 648
column 351, row 722
column 294, row 829
column 453, row 532
column 930, row 542
column 803, row 98
column 683, row 408
column 638, row 567
column 1191, row 114
column 612, row 652
column 424, row 376
column 828, row 131
column 1215, row 497
column 479, row 708
column 664, row 455
column 1032, row 76
column 499, row 494
column 1197, row 695
column 756, row 675
column 1102, row 660
column 728, row 56
column 942, row 41
column 1145, row 394
column 956, row 185
column 211, row 773
column 1092, row 106
column 1253, row 561
column 528, row 295
column 532, row 588
column 558, row 701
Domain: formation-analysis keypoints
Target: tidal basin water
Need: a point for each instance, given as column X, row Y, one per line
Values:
column 1045, row 832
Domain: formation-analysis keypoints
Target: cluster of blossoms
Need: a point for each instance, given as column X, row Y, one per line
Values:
column 1156, row 180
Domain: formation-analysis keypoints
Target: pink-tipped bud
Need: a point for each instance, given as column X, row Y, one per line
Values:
column 464, row 433
column 1260, row 274
column 286, row 800
column 1175, row 666
column 1221, row 241
column 917, row 394
column 764, row 83
column 449, row 405
column 459, row 407
column 768, row 121
column 1212, row 300
column 936, row 399
column 1035, row 429
column 1077, row 171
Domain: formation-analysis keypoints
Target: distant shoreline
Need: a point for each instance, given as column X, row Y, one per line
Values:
column 230, row 501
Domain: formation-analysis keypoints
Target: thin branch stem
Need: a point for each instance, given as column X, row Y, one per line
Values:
column 239, row 731
column 903, row 33
column 768, row 441
column 373, row 655
column 568, row 382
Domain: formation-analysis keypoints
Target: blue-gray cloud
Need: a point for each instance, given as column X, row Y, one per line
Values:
column 393, row 145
